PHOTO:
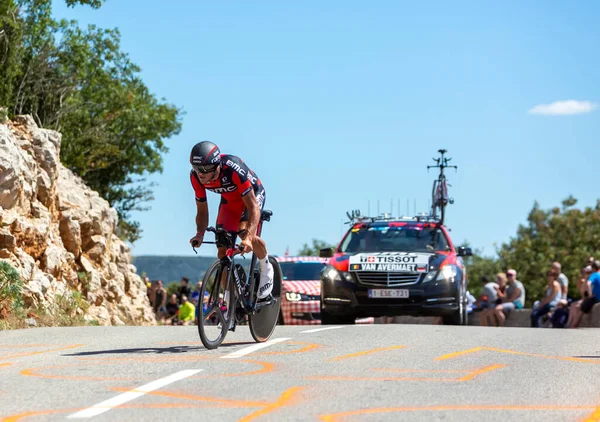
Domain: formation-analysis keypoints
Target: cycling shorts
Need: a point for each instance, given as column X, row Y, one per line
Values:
column 232, row 213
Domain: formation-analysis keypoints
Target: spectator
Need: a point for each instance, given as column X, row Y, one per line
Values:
column 187, row 312
column 594, row 285
column 172, row 310
column 148, row 286
column 514, row 297
column 583, row 286
column 544, row 306
column 489, row 296
column 184, row 289
column 562, row 279
column 160, row 299
column 195, row 296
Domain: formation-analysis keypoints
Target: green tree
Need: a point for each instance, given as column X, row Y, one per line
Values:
column 317, row 245
column 79, row 82
column 479, row 266
column 11, row 286
column 564, row 234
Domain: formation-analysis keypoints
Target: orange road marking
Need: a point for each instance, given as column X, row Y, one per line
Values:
column 342, row 378
column 456, row 354
column 5, row 364
column 594, row 417
column 513, row 352
column 16, row 346
column 33, row 372
column 215, row 400
column 41, row 352
column 286, row 399
column 18, row 417
column 265, row 367
column 470, row 376
column 337, row 416
column 308, row 347
column 473, row 374
column 449, row 371
column 367, row 352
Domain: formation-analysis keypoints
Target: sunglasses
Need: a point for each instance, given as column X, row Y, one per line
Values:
column 205, row 169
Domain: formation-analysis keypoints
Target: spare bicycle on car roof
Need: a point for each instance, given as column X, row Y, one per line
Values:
column 439, row 193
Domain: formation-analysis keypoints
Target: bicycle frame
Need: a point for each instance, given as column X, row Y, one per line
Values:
column 248, row 302
column 440, row 188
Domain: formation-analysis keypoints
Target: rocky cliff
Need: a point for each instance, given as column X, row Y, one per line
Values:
column 59, row 234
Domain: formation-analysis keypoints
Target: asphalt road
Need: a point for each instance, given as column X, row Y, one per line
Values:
column 332, row 373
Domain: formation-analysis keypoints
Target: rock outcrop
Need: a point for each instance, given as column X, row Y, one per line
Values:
column 59, row 234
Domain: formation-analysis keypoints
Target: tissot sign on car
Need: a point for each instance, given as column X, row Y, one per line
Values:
column 390, row 261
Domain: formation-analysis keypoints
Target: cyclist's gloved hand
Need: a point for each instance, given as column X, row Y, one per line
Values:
column 197, row 240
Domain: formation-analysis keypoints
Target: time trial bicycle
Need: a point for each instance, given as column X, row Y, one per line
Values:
column 232, row 295
column 439, row 193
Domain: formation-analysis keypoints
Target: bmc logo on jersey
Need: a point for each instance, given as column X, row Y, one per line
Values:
column 223, row 189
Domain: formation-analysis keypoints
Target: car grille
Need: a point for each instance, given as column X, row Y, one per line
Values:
column 374, row 278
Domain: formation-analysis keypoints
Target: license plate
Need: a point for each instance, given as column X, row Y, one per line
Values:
column 388, row 293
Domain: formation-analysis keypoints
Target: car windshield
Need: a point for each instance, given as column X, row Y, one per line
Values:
column 301, row 270
column 394, row 239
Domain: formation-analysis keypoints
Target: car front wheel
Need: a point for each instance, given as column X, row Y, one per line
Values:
column 330, row 319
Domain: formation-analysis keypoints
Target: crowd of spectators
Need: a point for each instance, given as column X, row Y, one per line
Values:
column 555, row 309
column 181, row 308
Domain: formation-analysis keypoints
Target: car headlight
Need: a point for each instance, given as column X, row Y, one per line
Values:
column 330, row 273
column 297, row 297
column 293, row 296
column 447, row 273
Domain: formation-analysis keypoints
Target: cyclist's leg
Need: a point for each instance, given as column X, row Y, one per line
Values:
column 227, row 218
column 258, row 244
column 260, row 249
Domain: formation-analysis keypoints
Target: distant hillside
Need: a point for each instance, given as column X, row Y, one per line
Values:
column 172, row 268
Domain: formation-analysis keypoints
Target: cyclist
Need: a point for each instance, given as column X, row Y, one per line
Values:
column 242, row 200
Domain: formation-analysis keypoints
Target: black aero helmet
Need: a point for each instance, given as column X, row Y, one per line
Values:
column 205, row 157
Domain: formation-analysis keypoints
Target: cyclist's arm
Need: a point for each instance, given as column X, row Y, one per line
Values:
column 201, row 206
column 201, row 217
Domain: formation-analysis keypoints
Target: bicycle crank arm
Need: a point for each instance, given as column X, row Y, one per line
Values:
column 263, row 304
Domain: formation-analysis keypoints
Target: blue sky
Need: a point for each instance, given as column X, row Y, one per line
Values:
column 337, row 103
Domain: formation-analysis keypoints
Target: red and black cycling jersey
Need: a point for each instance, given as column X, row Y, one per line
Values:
column 235, row 181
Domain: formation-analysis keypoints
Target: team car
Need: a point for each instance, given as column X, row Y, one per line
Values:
column 394, row 266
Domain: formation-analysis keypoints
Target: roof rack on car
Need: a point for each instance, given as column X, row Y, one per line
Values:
column 356, row 217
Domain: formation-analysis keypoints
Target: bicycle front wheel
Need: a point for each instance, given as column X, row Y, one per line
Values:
column 262, row 324
column 212, row 323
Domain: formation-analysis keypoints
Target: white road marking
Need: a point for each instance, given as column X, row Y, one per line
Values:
column 132, row 394
column 320, row 329
column 250, row 349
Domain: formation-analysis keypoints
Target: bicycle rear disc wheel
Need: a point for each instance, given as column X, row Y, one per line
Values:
column 434, row 199
column 210, row 315
column 263, row 323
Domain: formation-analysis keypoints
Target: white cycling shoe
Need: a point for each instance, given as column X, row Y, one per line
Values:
column 265, row 286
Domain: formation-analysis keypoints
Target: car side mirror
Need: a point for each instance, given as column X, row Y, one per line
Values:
column 464, row 251
column 326, row 253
